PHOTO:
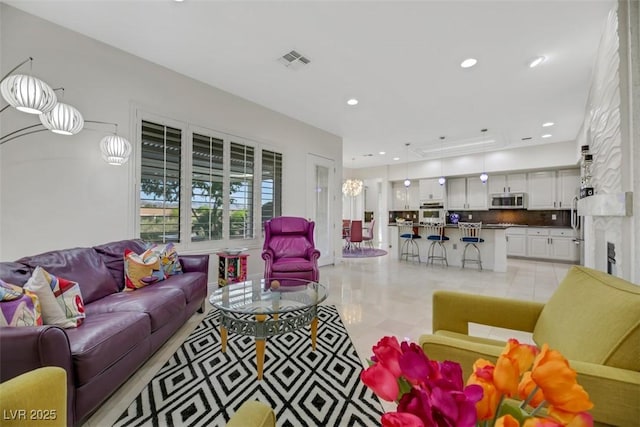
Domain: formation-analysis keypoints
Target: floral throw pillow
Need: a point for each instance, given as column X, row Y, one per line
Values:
column 60, row 299
column 18, row 306
column 141, row 270
column 168, row 256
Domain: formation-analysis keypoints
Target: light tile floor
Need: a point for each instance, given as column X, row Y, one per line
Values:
column 378, row 297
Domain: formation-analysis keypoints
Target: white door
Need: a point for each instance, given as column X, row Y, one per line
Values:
column 320, row 205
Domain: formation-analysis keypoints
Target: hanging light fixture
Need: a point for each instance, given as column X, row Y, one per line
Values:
column 115, row 149
column 407, row 181
column 442, row 179
column 27, row 93
column 63, row 119
column 352, row 186
column 483, row 176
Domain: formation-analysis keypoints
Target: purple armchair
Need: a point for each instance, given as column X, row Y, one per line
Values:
column 289, row 250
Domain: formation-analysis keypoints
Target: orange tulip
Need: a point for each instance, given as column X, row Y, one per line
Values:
column 483, row 376
column 525, row 388
column 582, row 419
column 551, row 372
column 514, row 360
column 540, row 422
column 507, row 421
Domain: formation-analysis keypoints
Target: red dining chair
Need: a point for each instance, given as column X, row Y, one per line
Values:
column 355, row 234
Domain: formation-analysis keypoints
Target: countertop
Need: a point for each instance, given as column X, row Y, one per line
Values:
column 495, row 226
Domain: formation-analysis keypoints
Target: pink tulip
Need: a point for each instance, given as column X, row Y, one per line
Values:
column 401, row 419
column 382, row 381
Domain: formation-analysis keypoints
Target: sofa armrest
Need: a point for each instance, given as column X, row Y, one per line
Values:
column 194, row 263
column 453, row 311
column 26, row 348
column 615, row 392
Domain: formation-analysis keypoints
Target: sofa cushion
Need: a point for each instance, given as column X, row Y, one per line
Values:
column 168, row 256
column 82, row 265
column 18, row 306
column 190, row 284
column 160, row 304
column 112, row 255
column 103, row 339
column 15, row 273
column 60, row 299
column 593, row 317
column 141, row 270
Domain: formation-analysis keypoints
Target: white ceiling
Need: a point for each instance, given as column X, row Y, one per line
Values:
column 400, row 59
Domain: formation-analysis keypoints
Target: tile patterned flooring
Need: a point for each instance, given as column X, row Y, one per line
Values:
column 378, row 297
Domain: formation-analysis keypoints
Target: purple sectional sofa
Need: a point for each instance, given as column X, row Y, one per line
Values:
column 121, row 330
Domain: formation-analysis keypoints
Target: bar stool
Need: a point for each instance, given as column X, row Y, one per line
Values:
column 409, row 247
column 435, row 233
column 470, row 234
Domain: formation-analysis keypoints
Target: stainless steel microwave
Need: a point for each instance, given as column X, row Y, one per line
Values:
column 508, row 201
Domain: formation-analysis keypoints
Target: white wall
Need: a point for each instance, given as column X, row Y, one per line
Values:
column 57, row 192
column 608, row 129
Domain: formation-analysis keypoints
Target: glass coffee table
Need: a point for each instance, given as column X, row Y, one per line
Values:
column 263, row 308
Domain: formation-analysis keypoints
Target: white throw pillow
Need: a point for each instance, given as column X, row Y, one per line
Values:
column 60, row 299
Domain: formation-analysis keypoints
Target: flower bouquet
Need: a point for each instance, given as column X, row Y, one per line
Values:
column 526, row 387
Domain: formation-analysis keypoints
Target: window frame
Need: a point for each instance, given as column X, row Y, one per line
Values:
column 187, row 131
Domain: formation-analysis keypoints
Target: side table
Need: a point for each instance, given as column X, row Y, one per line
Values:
column 232, row 268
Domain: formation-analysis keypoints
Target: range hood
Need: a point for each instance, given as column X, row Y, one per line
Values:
column 618, row 204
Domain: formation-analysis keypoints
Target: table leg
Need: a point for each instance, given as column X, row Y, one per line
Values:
column 223, row 338
column 314, row 332
column 260, row 346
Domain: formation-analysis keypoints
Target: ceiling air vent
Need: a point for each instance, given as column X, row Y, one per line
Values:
column 294, row 60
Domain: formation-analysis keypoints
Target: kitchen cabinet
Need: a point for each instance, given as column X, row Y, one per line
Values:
column 466, row 194
column 511, row 183
column 431, row 191
column 404, row 198
column 552, row 243
column 552, row 189
column 516, row 241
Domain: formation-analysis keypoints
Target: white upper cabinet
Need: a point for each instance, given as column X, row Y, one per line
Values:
column 431, row 191
column 404, row 198
column 568, row 186
column 552, row 189
column 511, row 183
column 466, row 193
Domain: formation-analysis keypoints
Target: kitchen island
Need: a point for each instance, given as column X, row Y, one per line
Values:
column 493, row 250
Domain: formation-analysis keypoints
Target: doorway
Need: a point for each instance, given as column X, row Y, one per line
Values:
column 320, row 206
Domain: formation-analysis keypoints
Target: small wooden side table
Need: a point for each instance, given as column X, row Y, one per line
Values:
column 231, row 268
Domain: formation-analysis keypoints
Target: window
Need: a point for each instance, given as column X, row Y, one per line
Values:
column 230, row 185
column 271, row 185
column 160, row 183
column 206, row 188
column 241, row 192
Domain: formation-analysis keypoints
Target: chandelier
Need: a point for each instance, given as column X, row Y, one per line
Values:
column 352, row 187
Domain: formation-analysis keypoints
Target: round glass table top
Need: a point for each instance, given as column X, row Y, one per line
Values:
column 268, row 296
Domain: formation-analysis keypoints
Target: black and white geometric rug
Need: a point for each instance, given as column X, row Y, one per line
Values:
column 201, row 386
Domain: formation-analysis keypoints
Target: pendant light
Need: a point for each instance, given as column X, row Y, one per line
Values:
column 483, row 176
column 442, row 179
column 63, row 119
column 28, row 94
column 407, row 181
column 352, row 186
column 115, row 149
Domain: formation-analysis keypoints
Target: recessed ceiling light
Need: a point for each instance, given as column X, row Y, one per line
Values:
column 468, row 63
column 382, row 153
column 396, row 158
column 547, row 135
column 547, row 124
column 352, row 101
column 536, row 61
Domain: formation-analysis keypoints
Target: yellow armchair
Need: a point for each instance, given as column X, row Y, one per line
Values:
column 36, row 398
column 253, row 414
column 593, row 319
